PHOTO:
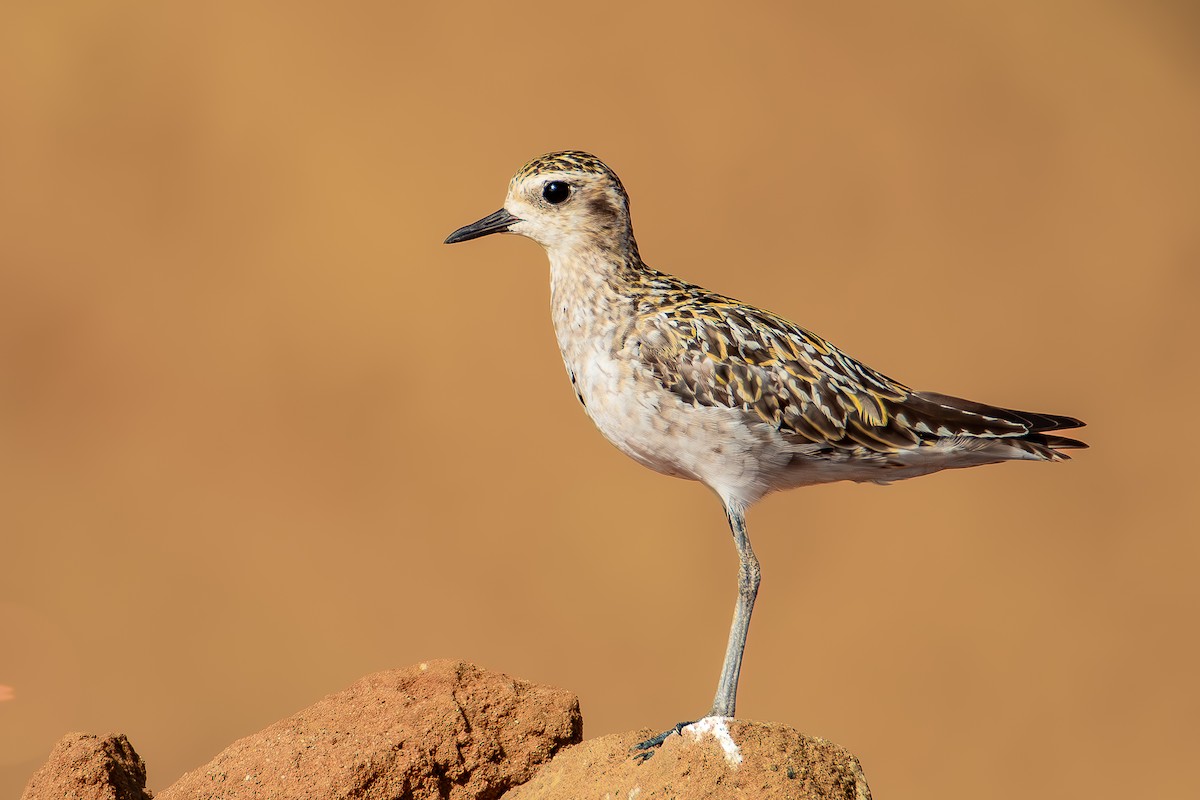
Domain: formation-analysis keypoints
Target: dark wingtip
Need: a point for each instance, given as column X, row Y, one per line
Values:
column 1035, row 422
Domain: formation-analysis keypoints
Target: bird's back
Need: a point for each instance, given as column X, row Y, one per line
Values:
column 839, row 418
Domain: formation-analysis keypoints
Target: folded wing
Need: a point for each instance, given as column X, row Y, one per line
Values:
column 713, row 351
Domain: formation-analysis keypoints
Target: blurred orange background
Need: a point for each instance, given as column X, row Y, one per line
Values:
column 261, row 433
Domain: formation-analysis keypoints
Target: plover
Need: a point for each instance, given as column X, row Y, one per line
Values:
column 697, row 385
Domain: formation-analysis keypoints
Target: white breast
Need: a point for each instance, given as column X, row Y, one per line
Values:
column 722, row 448
column 719, row 447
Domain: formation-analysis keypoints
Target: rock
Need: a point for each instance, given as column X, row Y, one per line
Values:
column 83, row 766
column 713, row 759
column 449, row 730
column 443, row 729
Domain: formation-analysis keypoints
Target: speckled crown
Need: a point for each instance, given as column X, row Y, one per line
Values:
column 570, row 161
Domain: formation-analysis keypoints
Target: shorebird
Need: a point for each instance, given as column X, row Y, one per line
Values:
column 697, row 385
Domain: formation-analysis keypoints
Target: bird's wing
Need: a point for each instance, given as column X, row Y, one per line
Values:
column 714, row 351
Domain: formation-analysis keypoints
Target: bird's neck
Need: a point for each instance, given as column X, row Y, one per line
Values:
column 591, row 288
column 594, row 266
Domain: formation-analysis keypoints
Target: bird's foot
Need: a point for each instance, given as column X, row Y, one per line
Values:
column 644, row 751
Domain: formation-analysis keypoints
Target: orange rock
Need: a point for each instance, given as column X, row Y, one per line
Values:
column 709, row 761
column 83, row 766
column 443, row 729
column 450, row 730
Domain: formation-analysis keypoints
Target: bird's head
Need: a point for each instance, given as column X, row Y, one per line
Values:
column 561, row 200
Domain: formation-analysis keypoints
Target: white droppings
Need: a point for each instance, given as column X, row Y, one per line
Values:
column 634, row 792
column 717, row 728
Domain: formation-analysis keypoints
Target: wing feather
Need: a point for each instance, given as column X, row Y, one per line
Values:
column 711, row 350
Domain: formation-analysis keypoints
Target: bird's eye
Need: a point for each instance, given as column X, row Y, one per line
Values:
column 556, row 191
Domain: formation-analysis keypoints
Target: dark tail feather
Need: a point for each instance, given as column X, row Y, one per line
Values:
column 1046, row 447
column 1064, row 443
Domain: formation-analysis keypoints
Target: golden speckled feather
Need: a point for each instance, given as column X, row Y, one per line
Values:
column 712, row 350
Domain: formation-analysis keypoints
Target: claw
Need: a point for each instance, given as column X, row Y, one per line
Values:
column 644, row 751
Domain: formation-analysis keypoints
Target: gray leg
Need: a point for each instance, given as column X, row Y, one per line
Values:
column 748, row 579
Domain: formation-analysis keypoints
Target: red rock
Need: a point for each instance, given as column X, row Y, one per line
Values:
column 444, row 729
column 83, row 766
column 452, row 731
column 776, row 762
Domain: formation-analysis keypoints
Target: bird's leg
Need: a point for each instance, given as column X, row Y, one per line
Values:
column 749, row 576
column 748, row 580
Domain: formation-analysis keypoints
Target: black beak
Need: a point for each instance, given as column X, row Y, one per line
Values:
column 492, row 223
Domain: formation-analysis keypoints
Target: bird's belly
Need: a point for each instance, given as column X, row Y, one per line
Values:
column 720, row 447
column 639, row 427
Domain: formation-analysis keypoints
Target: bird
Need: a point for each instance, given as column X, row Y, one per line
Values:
column 700, row 386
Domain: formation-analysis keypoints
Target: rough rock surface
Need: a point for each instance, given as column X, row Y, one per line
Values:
column 449, row 730
column 443, row 729
column 83, row 766
column 775, row 762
